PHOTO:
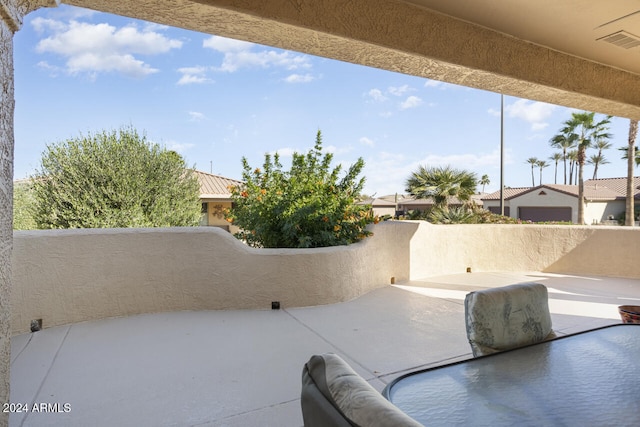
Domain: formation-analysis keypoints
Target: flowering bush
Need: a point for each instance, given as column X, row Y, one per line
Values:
column 308, row 206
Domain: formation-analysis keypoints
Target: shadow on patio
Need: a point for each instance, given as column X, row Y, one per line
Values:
column 243, row 367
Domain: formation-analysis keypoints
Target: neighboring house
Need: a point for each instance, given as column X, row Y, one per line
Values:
column 401, row 204
column 215, row 196
column 604, row 201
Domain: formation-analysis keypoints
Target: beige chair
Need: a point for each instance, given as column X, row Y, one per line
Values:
column 503, row 318
column 333, row 395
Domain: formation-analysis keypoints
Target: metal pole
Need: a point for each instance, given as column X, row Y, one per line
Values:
column 501, row 154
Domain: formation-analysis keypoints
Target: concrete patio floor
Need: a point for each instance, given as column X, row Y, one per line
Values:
column 243, row 368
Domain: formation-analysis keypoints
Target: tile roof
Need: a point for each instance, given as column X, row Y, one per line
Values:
column 594, row 189
column 215, row 186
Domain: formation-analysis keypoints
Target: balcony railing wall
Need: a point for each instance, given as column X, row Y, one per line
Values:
column 68, row 276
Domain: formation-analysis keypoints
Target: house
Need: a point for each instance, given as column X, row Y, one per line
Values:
column 604, row 201
column 215, row 196
column 401, row 204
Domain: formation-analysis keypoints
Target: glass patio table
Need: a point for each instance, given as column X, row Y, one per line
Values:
column 591, row 378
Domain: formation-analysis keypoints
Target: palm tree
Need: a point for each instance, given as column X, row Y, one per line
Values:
column 556, row 158
column 595, row 160
column 633, row 134
column 533, row 161
column 484, row 181
column 541, row 164
column 636, row 150
column 440, row 183
column 572, row 155
column 588, row 131
column 564, row 140
column 598, row 159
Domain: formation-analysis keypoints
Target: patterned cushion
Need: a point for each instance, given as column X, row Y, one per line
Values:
column 507, row 317
column 334, row 395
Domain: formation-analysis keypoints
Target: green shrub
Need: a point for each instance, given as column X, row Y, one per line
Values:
column 306, row 207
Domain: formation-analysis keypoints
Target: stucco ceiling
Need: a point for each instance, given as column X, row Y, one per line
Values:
column 579, row 28
column 545, row 50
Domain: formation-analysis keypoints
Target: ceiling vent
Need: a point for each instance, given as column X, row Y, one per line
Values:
column 622, row 39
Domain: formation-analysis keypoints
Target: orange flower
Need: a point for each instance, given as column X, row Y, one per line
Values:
column 244, row 194
column 336, row 228
column 257, row 170
column 376, row 219
column 229, row 219
column 325, row 218
column 263, row 191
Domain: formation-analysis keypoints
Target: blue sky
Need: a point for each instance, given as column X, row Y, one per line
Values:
column 214, row 100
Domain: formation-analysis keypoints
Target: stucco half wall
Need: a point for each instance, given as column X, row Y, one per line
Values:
column 572, row 249
column 68, row 276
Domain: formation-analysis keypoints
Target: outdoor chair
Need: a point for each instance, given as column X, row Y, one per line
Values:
column 502, row 318
column 333, row 395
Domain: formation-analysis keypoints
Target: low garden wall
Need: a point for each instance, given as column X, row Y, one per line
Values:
column 68, row 276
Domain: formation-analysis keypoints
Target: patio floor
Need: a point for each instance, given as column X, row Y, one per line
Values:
column 243, row 368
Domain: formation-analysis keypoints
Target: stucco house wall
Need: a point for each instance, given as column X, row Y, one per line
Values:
column 596, row 212
column 544, row 197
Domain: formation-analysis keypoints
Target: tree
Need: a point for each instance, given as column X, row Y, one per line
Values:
column 599, row 159
column 635, row 149
column 541, row 164
column 633, row 134
column 588, row 131
column 308, row 206
column 556, row 157
column 596, row 160
column 572, row 155
column 23, row 202
column 484, row 181
column 114, row 179
column 440, row 183
column 565, row 140
column 533, row 161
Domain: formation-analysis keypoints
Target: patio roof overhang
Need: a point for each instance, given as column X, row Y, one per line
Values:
column 520, row 48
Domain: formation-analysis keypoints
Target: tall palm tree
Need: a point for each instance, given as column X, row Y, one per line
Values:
column 633, row 134
column 601, row 144
column 533, row 161
column 440, row 183
column 556, row 157
column 541, row 164
column 572, row 155
column 565, row 140
column 484, row 181
column 588, row 131
column 596, row 160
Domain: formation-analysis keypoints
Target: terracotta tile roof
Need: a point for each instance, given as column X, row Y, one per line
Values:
column 215, row 186
column 594, row 189
column 508, row 193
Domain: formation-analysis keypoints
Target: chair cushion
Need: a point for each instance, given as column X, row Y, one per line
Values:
column 334, row 395
column 502, row 318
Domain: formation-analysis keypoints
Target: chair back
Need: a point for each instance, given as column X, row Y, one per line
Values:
column 334, row 395
column 507, row 317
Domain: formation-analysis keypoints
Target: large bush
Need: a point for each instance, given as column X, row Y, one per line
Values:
column 114, row 179
column 308, row 206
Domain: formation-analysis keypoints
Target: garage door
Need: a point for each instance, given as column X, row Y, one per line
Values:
column 539, row 214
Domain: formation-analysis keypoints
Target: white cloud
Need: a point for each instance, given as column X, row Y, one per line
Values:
column 433, row 83
column 196, row 116
column 299, row 78
column 398, row 91
column 366, row 141
column 95, row 48
column 376, row 95
column 410, row 102
column 178, row 147
column 193, row 75
column 239, row 54
column 532, row 112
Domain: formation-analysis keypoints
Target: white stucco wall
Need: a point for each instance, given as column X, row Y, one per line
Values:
column 597, row 212
column 571, row 249
column 550, row 198
column 68, row 276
